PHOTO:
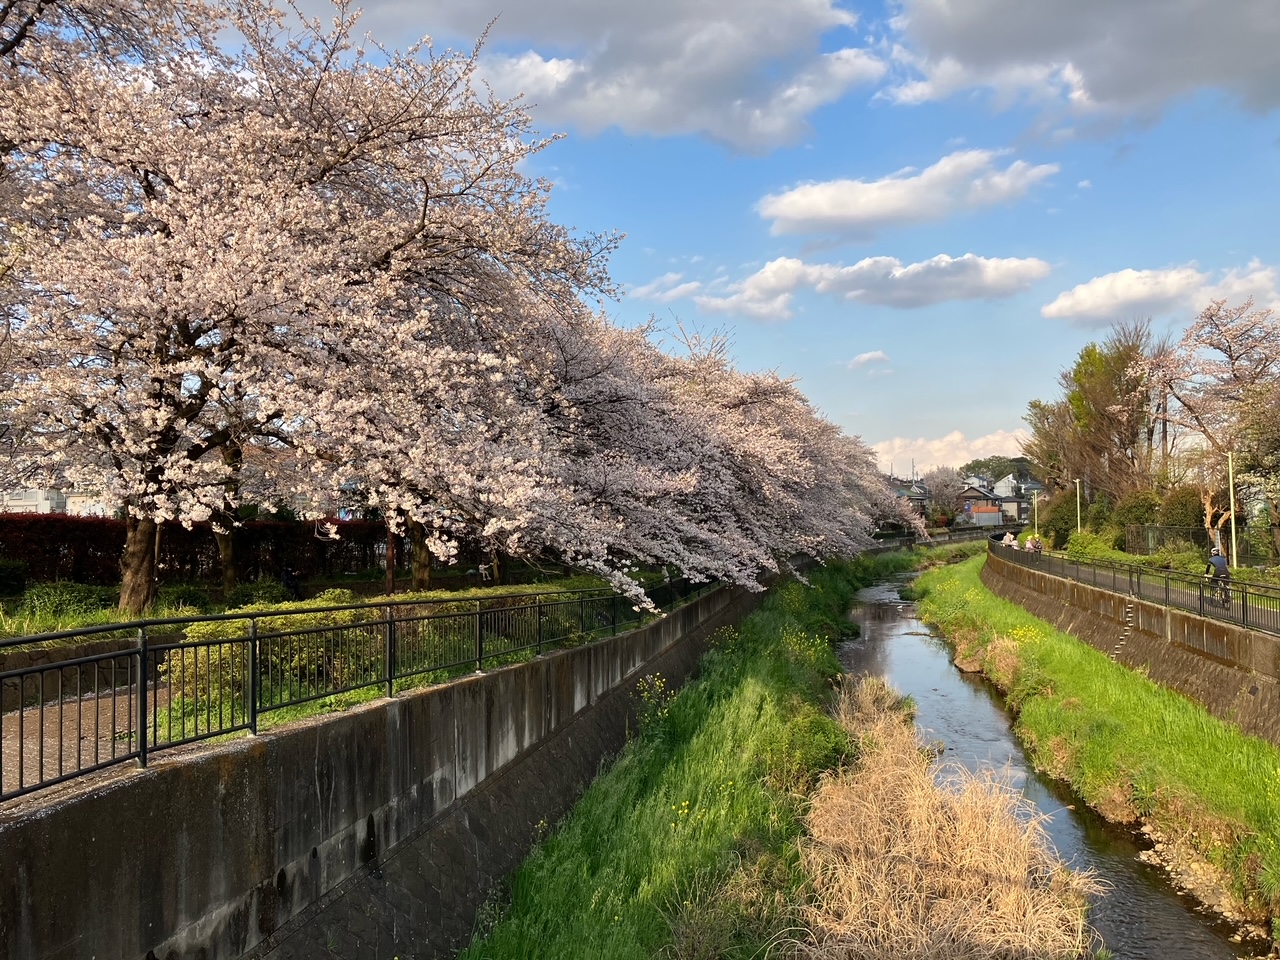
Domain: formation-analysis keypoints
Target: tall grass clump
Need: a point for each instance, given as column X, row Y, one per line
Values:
column 1134, row 750
column 908, row 860
column 686, row 846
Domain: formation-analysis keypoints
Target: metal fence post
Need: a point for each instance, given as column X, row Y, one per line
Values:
column 142, row 697
column 389, row 659
column 479, row 641
column 1244, row 606
column 537, row 615
column 255, row 679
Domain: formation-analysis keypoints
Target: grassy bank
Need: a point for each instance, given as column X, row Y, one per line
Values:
column 1132, row 749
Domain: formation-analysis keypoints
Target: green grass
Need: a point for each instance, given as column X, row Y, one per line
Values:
column 1126, row 744
column 687, row 844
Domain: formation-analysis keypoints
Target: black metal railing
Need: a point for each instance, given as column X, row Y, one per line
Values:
column 151, row 685
column 1251, row 605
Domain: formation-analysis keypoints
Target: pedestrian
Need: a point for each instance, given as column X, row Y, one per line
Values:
column 289, row 580
column 1009, row 540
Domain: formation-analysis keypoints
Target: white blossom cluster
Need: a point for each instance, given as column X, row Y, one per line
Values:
column 293, row 269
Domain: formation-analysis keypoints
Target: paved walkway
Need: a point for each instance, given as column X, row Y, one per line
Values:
column 45, row 742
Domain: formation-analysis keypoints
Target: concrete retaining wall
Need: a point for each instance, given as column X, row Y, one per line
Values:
column 209, row 853
column 1232, row 671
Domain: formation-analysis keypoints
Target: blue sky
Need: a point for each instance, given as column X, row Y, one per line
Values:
column 922, row 209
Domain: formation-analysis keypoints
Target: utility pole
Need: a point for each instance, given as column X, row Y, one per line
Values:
column 1077, row 504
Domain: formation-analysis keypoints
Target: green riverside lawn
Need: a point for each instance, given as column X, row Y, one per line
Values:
column 688, row 840
column 1130, row 748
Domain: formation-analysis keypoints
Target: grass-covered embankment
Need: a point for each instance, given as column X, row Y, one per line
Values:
column 687, row 842
column 1131, row 748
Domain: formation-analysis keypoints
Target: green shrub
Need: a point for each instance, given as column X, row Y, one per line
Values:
column 1058, row 518
column 1136, row 507
column 184, row 595
column 62, row 598
column 264, row 590
column 1182, row 507
column 291, row 666
column 13, row 577
column 1099, row 515
column 796, row 753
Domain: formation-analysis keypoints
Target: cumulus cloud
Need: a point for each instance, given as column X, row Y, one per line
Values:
column 961, row 181
column 863, row 359
column 1092, row 56
column 951, row 450
column 883, row 281
column 666, row 288
column 745, row 72
column 1183, row 289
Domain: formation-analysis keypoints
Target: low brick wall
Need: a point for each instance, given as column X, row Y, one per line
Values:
column 1233, row 672
column 209, row 853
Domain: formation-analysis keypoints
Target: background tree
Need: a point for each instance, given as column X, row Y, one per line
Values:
column 1101, row 429
column 945, row 486
column 999, row 467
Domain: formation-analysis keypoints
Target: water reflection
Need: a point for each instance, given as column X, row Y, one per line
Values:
column 1140, row 916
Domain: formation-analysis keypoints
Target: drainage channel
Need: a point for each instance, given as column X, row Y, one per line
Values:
column 1140, row 915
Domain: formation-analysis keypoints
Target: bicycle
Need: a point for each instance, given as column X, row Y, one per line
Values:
column 1220, row 591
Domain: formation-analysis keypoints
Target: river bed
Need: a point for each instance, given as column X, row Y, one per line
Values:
column 1140, row 915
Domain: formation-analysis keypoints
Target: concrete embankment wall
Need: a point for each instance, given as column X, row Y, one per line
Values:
column 241, row 846
column 1233, row 672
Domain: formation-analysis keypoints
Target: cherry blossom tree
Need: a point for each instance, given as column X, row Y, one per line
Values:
column 304, row 272
column 213, row 251
column 1218, row 376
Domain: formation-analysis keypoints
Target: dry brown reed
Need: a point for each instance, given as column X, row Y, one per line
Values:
column 909, row 861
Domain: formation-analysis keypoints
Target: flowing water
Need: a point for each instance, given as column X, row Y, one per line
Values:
column 1140, row 915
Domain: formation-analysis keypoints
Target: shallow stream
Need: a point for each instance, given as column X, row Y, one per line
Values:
column 1140, row 915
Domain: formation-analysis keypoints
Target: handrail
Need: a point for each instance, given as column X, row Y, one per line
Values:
column 62, row 719
column 1251, row 605
column 133, row 625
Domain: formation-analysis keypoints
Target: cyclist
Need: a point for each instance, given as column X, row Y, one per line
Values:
column 1217, row 569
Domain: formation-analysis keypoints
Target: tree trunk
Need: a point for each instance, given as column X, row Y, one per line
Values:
column 421, row 556
column 496, row 567
column 229, row 556
column 391, row 560
column 138, row 565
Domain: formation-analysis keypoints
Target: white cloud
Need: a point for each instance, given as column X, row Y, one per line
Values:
column 1084, row 184
column 1184, row 289
column 1090, row 56
column 864, row 358
column 745, row 72
column 951, row 450
column 961, row 181
column 883, row 281
column 666, row 288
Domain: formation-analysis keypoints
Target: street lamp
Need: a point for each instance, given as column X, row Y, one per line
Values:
column 1231, row 495
column 1077, row 504
column 1035, row 509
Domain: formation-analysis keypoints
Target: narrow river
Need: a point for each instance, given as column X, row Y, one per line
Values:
column 1140, row 915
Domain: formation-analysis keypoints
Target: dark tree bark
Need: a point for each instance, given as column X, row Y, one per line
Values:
column 229, row 555
column 421, row 556
column 138, row 565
